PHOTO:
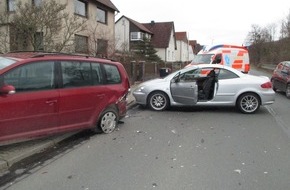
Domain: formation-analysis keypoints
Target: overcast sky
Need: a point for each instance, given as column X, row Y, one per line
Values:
column 208, row 21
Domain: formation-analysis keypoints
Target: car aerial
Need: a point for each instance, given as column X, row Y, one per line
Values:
column 281, row 78
column 47, row 93
column 206, row 85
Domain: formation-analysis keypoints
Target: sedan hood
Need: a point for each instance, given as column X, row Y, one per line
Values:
column 152, row 82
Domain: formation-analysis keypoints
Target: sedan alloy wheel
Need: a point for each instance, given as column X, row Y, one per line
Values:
column 158, row 101
column 248, row 103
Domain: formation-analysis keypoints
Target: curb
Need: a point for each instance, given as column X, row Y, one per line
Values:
column 14, row 153
column 27, row 149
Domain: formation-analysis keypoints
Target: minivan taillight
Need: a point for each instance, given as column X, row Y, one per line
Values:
column 267, row 85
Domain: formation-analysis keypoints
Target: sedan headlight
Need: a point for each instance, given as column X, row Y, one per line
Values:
column 140, row 89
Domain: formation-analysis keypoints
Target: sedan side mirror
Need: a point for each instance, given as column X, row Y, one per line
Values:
column 7, row 89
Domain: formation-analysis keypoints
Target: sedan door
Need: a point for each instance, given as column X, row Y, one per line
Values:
column 184, row 91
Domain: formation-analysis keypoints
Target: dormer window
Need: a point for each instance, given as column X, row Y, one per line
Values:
column 137, row 36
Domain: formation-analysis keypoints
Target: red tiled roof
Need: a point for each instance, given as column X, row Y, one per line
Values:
column 139, row 25
column 161, row 33
column 181, row 36
column 109, row 4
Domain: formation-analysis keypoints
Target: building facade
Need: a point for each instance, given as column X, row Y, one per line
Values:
column 88, row 27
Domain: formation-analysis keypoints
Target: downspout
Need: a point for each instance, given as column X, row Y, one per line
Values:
column 165, row 56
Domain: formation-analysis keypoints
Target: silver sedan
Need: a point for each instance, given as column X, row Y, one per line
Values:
column 206, row 85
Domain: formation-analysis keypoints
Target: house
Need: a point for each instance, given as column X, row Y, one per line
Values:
column 163, row 39
column 128, row 32
column 183, row 48
column 161, row 35
column 196, row 47
column 89, row 28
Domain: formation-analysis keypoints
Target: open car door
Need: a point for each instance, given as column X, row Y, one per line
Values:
column 184, row 92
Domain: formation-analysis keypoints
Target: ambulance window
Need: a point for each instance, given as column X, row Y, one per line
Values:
column 226, row 74
column 217, row 59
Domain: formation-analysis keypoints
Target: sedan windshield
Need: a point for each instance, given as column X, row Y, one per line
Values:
column 202, row 58
column 5, row 62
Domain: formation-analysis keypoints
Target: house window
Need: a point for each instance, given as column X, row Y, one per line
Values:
column 11, row 5
column 38, row 41
column 102, row 47
column 81, row 44
column 137, row 36
column 37, row 3
column 101, row 16
column 80, row 8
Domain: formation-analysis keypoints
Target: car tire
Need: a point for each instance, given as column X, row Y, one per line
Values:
column 288, row 91
column 108, row 121
column 158, row 101
column 248, row 103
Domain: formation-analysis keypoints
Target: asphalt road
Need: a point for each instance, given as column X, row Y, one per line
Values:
column 184, row 149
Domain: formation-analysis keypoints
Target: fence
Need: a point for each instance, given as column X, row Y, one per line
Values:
column 142, row 71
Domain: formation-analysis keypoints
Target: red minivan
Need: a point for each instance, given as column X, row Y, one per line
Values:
column 43, row 94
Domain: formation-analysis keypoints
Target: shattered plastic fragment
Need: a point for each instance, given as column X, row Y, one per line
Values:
column 238, row 171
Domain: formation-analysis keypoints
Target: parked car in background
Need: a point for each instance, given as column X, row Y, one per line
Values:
column 43, row 94
column 281, row 78
column 206, row 85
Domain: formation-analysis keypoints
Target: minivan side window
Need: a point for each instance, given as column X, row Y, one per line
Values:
column 31, row 77
column 97, row 74
column 76, row 74
column 112, row 74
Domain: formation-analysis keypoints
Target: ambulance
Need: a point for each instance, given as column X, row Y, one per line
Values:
column 234, row 56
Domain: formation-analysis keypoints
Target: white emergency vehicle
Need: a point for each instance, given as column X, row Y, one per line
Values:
column 234, row 56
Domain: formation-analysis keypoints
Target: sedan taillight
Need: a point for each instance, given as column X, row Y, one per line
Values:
column 267, row 85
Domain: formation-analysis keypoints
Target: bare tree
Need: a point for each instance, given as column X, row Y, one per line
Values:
column 4, row 33
column 285, row 27
column 42, row 27
column 100, row 44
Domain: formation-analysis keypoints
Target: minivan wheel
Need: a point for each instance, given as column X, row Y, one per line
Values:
column 108, row 121
column 158, row 101
column 248, row 103
column 288, row 91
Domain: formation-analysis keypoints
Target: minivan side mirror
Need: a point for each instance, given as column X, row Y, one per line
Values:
column 7, row 89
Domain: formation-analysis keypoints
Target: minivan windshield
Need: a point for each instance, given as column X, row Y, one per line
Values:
column 5, row 62
column 202, row 58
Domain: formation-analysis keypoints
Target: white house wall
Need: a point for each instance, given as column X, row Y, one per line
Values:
column 122, row 28
column 182, row 52
column 170, row 51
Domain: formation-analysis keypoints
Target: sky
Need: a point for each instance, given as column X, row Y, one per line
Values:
column 208, row 22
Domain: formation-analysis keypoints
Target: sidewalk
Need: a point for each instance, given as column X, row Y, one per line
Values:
column 11, row 154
